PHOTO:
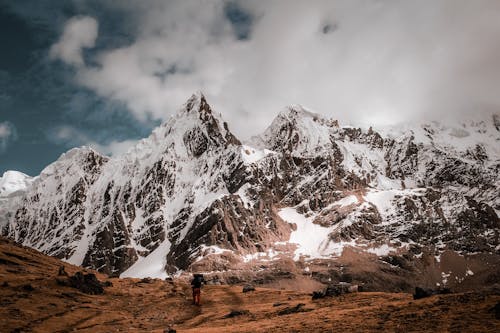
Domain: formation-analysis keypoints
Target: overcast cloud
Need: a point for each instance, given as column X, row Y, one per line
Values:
column 363, row 62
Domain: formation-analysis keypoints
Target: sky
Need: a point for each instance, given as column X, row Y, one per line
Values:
column 104, row 73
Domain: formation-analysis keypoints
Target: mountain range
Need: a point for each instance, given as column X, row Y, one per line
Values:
column 308, row 197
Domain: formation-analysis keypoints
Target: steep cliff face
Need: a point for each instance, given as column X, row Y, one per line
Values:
column 107, row 214
column 304, row 189
column 50, row 215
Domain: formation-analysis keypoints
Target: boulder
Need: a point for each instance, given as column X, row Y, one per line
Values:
column 427, row 292
column 86, row 283
column 336, row 290
column 62, row 271
column 248, row 287
column 293, row 309
column 496, row 310
column 236, row 313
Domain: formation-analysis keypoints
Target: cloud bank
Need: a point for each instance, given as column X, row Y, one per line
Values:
column 362, row 62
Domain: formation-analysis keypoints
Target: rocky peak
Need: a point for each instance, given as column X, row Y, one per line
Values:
column 192, row 131
column 77, row 161
column 209, row 131
column 199, row 128
column 197, row 103
column 298, row 132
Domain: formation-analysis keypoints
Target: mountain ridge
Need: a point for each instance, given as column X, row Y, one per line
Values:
column 192, row 196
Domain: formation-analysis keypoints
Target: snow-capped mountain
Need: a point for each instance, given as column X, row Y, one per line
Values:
column 13, row 182
column 192, row 195
column 13, row 185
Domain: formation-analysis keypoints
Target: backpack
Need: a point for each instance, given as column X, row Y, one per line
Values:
column 197, row 280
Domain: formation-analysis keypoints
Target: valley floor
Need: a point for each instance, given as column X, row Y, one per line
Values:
column 32, row 301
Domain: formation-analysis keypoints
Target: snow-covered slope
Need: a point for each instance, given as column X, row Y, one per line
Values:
column 13, row 185
column 12, row 182
column 191, row 195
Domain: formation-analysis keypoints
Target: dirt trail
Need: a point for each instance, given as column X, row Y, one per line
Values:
column 133, row 305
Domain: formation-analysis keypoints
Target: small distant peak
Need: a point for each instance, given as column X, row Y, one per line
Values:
column 14, row 174
column 13, row 181
column 78, row 151
column 196, row 96
column 297, row 112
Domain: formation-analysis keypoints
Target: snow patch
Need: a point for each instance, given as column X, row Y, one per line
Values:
column 269, row 255
column 212, row 249
column 251, row 155
column 312, row 240
column 152, row 266
column 344, row 202
column 445, row 277
column 382, row 250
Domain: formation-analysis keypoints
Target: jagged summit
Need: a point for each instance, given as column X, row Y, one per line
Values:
column 84, row 158
column 297, row 131
column 297, row 113
column 193, row 130
column 197, row 103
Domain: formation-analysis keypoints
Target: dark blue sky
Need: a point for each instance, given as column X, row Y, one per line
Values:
column 38, row 95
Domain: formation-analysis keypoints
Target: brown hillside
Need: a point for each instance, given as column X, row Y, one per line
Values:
column 32, row 301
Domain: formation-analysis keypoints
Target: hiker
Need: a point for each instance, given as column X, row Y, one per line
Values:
column 198, row 279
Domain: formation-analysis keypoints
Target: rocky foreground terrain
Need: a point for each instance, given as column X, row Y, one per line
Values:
column 309, row 198
column 33, row 301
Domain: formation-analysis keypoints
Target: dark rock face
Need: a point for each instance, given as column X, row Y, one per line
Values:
column 229, row 224
column 196, row 142
column 112, row 253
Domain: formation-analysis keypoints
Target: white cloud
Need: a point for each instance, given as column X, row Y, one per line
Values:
column 378, row 62
column 114, row 148
column 73, row 137
column 79, row 32
column 7, row 134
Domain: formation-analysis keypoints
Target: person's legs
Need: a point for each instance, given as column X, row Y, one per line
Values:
column 196, row 296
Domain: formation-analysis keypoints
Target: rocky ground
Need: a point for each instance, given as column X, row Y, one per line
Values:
column 32, row 300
